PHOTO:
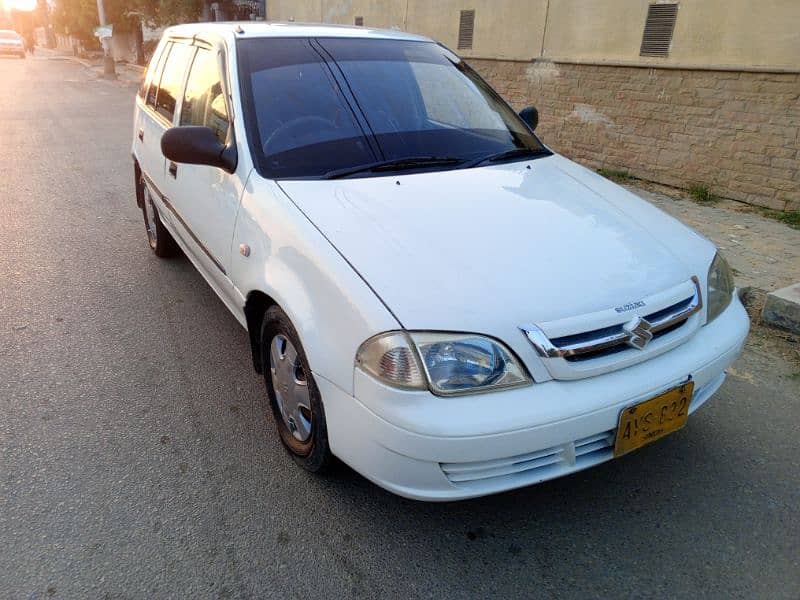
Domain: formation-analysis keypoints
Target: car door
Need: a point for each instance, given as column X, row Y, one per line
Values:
column 150, row 124
column 205, row 199
column 166, row 99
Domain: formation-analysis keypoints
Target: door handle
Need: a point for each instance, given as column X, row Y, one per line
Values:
column 173, row 169
column 141, row 135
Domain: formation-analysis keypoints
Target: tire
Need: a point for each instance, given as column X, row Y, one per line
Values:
column 160, row 240
column 290, row 384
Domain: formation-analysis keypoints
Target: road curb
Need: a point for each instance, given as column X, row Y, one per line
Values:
column 782, row 308
column 74, row 59
column 135, row 69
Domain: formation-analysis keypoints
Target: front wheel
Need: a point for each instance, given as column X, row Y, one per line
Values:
column 293, row 395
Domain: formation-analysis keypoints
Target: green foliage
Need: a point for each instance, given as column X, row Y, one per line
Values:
column 702, row 194
column 76, row 17
column 158, row 13
column 790, row 217
column 79, row 17
column 615, row 175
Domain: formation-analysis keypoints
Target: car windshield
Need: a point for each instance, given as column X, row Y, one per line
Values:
column 323, row 106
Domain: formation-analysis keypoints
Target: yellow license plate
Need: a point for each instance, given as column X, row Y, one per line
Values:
column 652, row 419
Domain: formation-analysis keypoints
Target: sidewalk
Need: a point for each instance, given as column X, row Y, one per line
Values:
column 125, row 72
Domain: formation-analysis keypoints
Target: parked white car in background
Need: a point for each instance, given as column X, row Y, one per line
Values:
column 432, row 295
column 11, row 43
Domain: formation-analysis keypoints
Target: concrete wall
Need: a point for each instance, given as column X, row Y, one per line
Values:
column 511, row 29
column 708, row 33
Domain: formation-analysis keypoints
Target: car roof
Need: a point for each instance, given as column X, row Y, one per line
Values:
column 253, row 29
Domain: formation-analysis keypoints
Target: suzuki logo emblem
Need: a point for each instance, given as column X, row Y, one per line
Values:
column 639, row 332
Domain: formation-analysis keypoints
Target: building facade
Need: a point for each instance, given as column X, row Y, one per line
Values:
column 681, row 92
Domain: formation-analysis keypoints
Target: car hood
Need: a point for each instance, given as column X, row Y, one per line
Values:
column 478, row 249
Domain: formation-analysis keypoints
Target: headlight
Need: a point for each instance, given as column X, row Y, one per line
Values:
column 720, row 287
column 447, row 363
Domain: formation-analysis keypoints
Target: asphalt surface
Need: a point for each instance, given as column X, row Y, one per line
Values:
column 136, row 460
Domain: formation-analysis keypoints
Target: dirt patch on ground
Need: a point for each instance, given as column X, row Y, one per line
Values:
column 770, row 351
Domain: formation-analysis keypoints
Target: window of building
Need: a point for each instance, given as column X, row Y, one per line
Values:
column 203, row 101
column 466, row 27
column 172, row 79
column 658, row 29
column 359, row 21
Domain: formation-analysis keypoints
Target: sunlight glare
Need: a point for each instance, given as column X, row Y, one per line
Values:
column 25, row 5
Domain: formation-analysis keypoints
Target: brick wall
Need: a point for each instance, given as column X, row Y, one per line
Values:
column 735, row 132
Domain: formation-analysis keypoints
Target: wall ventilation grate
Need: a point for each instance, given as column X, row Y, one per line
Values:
column 466, row 27
column 658, row 29
column 359, row 21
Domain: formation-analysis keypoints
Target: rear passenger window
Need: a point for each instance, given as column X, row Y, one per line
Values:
column 154, row 75
column 204, row 102
column 172, row 79
column 151, row 68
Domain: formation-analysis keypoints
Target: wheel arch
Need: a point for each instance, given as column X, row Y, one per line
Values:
column 137, row 182
column 255, row 306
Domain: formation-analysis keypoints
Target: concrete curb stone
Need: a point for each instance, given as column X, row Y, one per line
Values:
column 782, row 308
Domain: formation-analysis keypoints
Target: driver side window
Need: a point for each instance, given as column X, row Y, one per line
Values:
column 203, row 101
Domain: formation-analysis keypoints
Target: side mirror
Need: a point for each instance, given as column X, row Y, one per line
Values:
column 531, row 116
column 198, row 146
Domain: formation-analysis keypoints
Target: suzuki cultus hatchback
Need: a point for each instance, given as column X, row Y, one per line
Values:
column 432, row 295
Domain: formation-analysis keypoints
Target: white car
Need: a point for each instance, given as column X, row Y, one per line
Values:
column 11, row 43
column 432, row 295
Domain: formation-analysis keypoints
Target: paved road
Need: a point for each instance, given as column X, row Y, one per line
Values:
column 136, row 460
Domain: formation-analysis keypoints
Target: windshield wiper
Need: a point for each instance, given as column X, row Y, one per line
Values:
column 507, row 155
column 397, row 164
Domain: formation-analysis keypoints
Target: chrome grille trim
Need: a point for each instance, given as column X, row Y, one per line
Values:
column 615, row 335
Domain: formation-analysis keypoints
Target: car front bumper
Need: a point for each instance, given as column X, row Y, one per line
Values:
column 559, row 427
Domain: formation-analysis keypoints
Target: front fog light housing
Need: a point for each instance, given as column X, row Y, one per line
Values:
column 446, row 363
column 720, row 287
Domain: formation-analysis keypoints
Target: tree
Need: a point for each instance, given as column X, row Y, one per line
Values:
column 79, row 17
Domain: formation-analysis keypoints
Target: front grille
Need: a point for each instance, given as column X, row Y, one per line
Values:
column 605, row 341
column 534, row 466
column 617, row 331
